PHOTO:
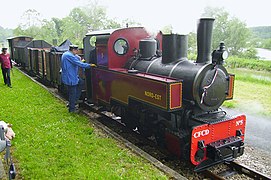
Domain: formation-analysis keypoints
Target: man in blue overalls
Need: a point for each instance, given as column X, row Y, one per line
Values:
column 70, row 62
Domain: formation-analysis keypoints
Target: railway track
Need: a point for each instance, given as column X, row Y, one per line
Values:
column 235, row 168
column 130, row 139
column 139, row 145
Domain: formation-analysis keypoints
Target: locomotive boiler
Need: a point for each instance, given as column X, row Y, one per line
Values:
column 156, row 90
column 205, row 82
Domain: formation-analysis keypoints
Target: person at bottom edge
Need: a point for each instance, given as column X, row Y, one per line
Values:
column 70, row 62
column 6, row 66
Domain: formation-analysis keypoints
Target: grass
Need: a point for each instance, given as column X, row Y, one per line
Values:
column 255, row 64
column 252, row 91
column 50, row 143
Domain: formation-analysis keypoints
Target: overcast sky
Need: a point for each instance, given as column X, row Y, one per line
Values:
column 181, row 14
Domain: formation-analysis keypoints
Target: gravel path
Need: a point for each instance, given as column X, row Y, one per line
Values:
column 257, row 159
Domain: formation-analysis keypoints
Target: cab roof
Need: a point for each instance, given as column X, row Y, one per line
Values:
column 108, row 31
column 102, row 32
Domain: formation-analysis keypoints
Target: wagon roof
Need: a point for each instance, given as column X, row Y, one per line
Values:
column 18, row 37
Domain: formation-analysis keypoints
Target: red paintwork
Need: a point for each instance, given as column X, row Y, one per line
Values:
column 159, row 37
column 122, row 86
column 173, row 144
column 175, row 96
column 217, row 132
column 231, row 86
column 133, row 36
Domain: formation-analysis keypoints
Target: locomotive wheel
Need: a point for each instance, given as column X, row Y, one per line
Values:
column 185, row 141
column 160, row 135
column 127, row 118
column 186, row 152
column 130, row 123
column 145, row 125
column 144, row 131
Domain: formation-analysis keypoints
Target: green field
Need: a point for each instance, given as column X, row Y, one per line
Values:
column 254, row 64
column 50, row 143
column 252, row 91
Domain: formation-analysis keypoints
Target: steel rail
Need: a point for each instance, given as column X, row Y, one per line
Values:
column 243, row 169
column 235, row 168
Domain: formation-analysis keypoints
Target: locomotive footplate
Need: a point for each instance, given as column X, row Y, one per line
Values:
column 213, row 118
column 222, row 151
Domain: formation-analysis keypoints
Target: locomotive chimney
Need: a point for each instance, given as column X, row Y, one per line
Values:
column 174, row 47
column 204, row 39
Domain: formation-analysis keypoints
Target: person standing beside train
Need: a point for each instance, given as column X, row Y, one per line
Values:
column 6, row 66
column 70, row 62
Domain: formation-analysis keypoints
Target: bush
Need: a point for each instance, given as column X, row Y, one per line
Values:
column 235, row 62
column 250, row 53
column 192, row 56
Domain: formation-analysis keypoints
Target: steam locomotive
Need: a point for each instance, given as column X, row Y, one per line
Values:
column 149, row 82
column 152, row 85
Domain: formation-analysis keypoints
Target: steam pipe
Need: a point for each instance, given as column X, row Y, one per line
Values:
column 169, row 46
column 204, row 40
column 184, row 47
column 174, row 47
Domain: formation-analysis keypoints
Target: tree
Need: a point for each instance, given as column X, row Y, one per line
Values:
column 85, row 19
column 129, row 23
column 267, row 44
column 263, row 32
column 30, row 18
column 48, row 32
column 192, row 46
column 32, row 31
column 229, row 29
column 72, row 30
column 79, row 16
column 58, row 24
column 250, row 53
column 82, row 20
column 4, row 34
column 167, row 29
column 75, row 26
column 30, row 24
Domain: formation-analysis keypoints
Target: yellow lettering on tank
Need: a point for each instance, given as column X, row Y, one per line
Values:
column 153, row 95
